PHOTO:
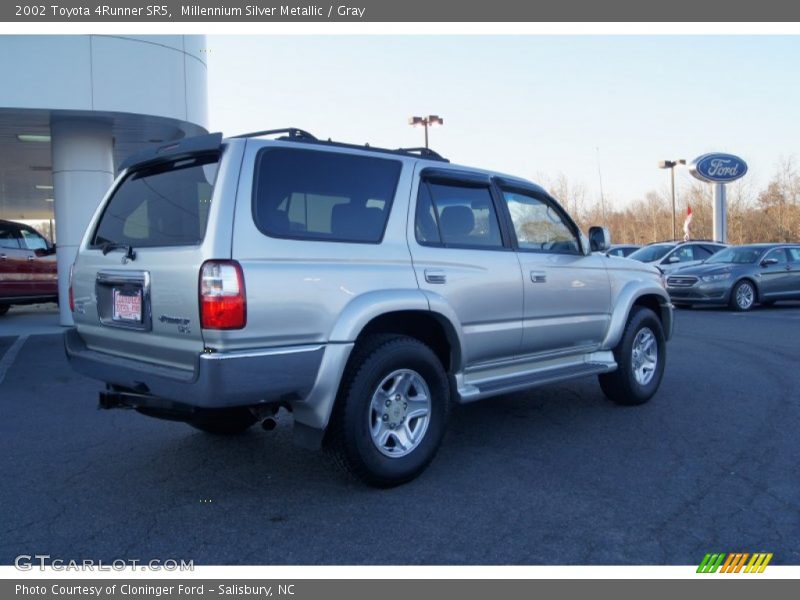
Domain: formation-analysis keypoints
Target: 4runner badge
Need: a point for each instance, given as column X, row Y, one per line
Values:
column 183, row 324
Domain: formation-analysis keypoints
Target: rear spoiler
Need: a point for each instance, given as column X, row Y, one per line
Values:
column 200, row 144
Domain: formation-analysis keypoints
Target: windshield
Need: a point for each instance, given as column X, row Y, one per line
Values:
column 651, row 253
column 741, row 256
column 166, row 205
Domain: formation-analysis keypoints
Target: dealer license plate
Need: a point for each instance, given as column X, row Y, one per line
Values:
column 127, row 305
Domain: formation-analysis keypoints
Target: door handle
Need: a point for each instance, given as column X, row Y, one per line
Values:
column 3, row 257
column 435, row 276
column 31, row 258
column 538, row 277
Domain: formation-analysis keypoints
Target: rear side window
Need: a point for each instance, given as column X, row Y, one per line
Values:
column 9, row 236
column 161, row 206
column 323, row 195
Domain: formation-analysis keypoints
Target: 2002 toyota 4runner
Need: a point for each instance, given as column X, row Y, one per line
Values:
column 366, row 290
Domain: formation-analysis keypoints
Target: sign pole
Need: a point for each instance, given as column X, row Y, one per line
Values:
column 720, row 214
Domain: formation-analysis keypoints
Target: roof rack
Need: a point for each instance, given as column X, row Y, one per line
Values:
column 424, row 153
column 293, row 134
column 290, row 133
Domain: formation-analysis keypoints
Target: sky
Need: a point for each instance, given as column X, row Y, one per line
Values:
column 535, row 106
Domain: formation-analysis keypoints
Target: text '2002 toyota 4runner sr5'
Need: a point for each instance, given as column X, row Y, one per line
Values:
column 365, row 290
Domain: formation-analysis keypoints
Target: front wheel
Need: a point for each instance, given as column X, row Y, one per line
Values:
column 743, row 296
column 640, row 355
column 391, row 411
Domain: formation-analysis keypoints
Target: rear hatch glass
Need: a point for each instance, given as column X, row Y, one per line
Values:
column 136, row 285
column 165, row 205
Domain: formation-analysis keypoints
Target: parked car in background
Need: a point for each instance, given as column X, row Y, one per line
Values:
column 27, row 267
column 622, row 250
column 740, row 276
column 670, row 256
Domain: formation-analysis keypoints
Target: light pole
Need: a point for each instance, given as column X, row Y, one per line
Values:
column 671, row 164
column 429, row 121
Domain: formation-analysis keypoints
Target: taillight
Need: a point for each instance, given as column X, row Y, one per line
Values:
column 222, row 300
column 71, row 294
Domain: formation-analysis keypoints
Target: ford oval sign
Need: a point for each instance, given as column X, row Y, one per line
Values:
column 718, row 168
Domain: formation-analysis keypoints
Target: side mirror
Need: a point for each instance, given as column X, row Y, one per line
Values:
column 599, row 239
column 674, row 259
column 769, row 261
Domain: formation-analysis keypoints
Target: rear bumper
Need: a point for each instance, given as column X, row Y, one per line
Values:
column 219, row 380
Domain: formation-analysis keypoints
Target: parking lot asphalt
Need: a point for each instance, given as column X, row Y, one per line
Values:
column 557, row 475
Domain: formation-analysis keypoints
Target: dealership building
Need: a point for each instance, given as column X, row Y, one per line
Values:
column 73, row 107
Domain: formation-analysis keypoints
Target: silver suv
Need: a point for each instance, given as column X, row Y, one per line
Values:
column 364, row 290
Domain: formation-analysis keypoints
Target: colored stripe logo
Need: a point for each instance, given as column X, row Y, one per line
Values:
column 735, row 562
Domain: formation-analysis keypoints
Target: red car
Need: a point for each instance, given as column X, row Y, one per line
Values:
column 27, row 267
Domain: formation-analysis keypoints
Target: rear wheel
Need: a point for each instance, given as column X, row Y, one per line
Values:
column 230, row 421
column 743, row 296
column 391, row 411
column 640, row 356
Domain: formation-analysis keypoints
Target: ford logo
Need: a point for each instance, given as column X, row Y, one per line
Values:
column 718, row 168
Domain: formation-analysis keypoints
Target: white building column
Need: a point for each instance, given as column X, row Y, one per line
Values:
column 83, row 170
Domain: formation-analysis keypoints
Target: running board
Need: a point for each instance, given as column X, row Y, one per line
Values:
column 477, row 389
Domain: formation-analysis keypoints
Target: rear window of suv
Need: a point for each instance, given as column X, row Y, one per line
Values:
column 165, row 205
column 328, row 196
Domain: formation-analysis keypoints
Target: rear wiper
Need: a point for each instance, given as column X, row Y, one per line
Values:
column 107, row 247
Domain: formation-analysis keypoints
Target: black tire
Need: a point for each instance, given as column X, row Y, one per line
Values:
column 735, row 302
column 349, row 437
column 621, row 385
column 4, row 309
column 231, row 421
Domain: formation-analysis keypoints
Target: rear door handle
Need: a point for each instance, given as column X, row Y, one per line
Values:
column 3, row 257
column 538, row 277
column 31, row 258
column 435, row 276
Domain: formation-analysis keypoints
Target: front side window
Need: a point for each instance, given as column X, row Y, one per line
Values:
column 779, row 255
column 794, row 254
column 457, row 215
column 683, row 254
column 32, row 240
column 323, row 196
column 165, row 205
column 539, row 226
